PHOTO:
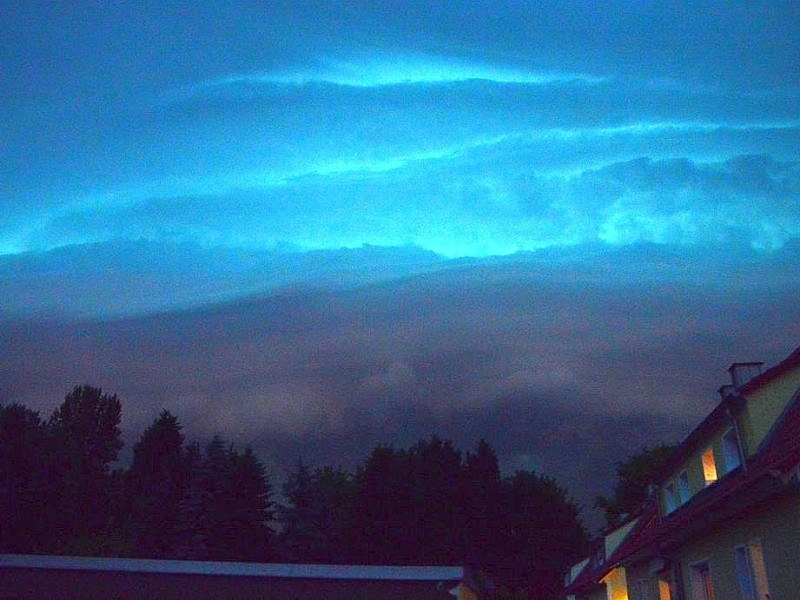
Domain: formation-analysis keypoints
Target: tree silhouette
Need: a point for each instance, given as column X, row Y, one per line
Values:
column 86, row 436
column 302, row 538
column 318, row 517
column 541, row 530
column 436, row 506
column 634, row 474
column 25, row 486
column 385, row 522
column 252, row 509
column 157, row 481
column 226, row 510
column 482, row 490
column 428, row 504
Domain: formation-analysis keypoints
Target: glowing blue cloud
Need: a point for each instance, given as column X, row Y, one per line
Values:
column 339, row 137
column 475, row 202
column 376, row 68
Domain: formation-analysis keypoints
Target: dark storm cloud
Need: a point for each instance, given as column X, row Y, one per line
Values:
column 148, row 277
column 538, row 354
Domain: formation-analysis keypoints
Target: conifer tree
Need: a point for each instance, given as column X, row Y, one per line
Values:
column 87, row 438
column 25, row 486
column 157, row 481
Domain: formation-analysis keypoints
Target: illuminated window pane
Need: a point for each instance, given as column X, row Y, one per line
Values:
column 664, row 592
column 759, row 570
column 709, row 467
column 616, row 584
column 730, row 450
column 683, row 487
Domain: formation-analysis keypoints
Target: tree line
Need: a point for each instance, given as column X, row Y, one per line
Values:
column 427, row 504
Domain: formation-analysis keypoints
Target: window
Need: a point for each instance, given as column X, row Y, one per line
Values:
column 683, row 487
column 751, row 571
column 664, row 590
column 702, row 586
column 709, row 467
column 730, row 451
column 616, row 584
column 670, row 498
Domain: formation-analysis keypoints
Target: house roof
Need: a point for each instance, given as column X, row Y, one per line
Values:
column 719, row 416
column 766, row 473
column 586, row 576
column 272, row 570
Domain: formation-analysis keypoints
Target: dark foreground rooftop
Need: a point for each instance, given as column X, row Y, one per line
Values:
column 27, row 576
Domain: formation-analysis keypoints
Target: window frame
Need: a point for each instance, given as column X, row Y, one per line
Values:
column 751, row 571
column 696, row 571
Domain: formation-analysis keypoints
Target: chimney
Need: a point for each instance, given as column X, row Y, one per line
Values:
column 742, row 372
column 726, row 391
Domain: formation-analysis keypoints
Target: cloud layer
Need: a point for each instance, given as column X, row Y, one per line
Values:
column 545, row 126
column 565, row 362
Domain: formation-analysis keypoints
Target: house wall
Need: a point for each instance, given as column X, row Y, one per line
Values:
column 764, row 406
column 636, row 574
column 640, row 572
column 599, row 594
column 776, row 526
column 596, row 594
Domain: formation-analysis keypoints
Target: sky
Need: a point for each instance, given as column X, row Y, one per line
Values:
column 318, row 226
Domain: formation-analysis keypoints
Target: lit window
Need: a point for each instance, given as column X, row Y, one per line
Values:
column 709, row 467
column 683, row 487
column 752, row 574
column 616, row 584
column 730, row 451
column 664, row 591
column 702, row 587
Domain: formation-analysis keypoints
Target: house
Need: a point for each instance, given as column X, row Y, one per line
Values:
column 723, row 519
column 26, row 576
